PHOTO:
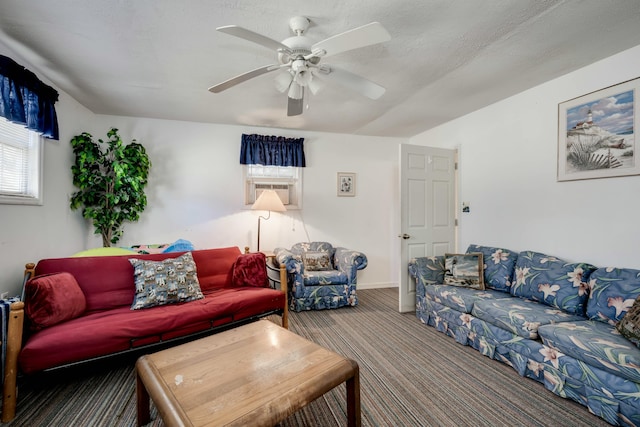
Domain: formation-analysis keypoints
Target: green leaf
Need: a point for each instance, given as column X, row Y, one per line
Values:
column 111, row 178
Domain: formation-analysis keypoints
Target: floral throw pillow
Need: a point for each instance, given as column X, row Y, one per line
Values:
column 163, row 282
column 464, row 270
column 629, row 325
column 316, row 261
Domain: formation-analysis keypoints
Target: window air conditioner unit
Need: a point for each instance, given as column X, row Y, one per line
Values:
column 282, row 190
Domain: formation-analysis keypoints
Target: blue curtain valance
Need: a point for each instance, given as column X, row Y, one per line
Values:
column 272, row 151
column 27, row 101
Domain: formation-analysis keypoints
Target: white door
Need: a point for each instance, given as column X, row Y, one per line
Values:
column 427, row 203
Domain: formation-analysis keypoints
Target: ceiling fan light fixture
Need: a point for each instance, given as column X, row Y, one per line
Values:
column 303, row 78
column 315, row 85
column 283, row 81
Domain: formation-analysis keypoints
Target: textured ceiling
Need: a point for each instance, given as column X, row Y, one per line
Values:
column 446, row 58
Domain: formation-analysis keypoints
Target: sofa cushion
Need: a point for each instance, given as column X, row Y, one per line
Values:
column 317, row 261
column 445, row 319
column 629, row 325
column 331, row 277
column 499, row 264
column 117, row 289
column 594, row 343
column 51, row 299
column 520, row 316
column 163, row 282
column 612, row 293
column 465, row 270
column 491, row 340
column 552, row 281
column 460, row 298
column 250, row 270
column 109, row 331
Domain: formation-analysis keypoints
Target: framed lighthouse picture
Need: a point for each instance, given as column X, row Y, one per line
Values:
column 596, row 134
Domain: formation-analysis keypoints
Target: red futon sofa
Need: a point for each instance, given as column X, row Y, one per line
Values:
column 65, row 325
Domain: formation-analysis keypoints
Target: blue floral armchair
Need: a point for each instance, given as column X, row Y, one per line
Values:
column 320, row 276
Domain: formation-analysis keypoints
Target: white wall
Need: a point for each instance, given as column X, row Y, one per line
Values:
column 29, row 233
column 508, row 165
column 195, row 192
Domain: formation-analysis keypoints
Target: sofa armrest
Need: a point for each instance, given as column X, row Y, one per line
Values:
column 344, row 259
column 428, row 270
column 291, row 261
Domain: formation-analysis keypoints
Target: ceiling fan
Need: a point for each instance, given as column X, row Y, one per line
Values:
column 300, row 57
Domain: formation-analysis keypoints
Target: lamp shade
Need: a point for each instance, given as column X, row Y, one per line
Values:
column 269, row 201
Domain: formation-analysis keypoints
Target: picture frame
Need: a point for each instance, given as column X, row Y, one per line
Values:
column 466, row 270
column 596, row 133
column 346, row 184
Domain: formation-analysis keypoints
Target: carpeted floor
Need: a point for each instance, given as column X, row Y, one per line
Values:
column 410, row 375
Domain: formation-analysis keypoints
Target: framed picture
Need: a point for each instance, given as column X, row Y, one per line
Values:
column 464, row 270
column 346, row 184
column 596, row 134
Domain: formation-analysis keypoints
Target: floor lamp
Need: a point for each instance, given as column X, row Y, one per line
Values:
column 267, row 201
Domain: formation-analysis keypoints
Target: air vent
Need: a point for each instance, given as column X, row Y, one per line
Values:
column 281, row 189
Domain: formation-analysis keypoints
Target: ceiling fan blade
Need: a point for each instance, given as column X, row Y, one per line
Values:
column 295, row 106
column 354, row 82
column 243, row 77
column 366, row 35
column 243, row 33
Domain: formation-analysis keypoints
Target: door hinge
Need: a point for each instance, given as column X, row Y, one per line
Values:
column 456, row 222
column 455, row 166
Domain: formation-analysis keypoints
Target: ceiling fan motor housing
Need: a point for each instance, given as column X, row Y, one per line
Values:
column 299, row 46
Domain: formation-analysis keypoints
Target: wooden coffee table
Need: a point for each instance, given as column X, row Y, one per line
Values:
column 254, row 375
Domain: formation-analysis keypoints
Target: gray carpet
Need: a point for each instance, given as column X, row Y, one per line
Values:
column 410, row 375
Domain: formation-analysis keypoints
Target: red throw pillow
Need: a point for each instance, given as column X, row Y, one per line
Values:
column 53, row 298
column 250, row 270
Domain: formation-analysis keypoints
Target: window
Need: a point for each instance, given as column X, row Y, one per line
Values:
column 285, row 180
column 20, row 165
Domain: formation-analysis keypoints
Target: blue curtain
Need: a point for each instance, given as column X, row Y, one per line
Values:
column 272, row 151
column 25, row 100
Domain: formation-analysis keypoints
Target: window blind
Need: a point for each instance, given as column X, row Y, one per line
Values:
column 19, row 161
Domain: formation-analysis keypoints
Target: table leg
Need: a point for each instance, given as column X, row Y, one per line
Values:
column 142, row 397
column 353, row 398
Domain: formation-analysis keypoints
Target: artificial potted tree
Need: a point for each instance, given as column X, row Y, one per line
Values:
column 111, row 177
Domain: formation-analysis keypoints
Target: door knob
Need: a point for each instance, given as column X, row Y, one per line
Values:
column 404, row 236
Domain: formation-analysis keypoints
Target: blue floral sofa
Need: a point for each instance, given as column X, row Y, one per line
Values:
column 330, row 284
column 552, row 321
